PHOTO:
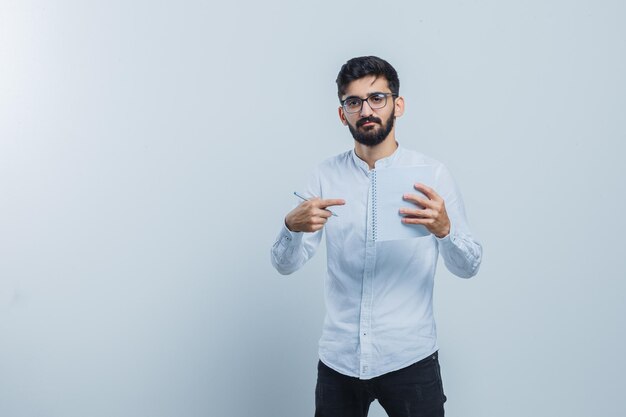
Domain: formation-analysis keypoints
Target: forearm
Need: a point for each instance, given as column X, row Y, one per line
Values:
column 291, row 250
column 461, row 254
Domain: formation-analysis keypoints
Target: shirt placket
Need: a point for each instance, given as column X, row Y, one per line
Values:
column 365, row 320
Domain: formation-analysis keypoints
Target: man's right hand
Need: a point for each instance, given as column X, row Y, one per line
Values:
column 311, row 216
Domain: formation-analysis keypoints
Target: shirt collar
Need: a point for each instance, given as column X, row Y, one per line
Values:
column 381, row 163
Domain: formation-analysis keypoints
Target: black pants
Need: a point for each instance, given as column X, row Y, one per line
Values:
column 413, row 391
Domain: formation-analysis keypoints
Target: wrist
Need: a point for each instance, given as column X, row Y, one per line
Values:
column 443, row 234
column 290, row 228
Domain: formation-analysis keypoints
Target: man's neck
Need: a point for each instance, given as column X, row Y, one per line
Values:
column 371, row 154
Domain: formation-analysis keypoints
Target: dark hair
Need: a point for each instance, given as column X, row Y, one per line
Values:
column 363, row 66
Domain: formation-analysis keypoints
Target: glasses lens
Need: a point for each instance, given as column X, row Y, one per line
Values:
column 377, row 101
column 352, row 104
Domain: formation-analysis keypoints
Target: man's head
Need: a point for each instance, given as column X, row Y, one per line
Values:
column 368, row 89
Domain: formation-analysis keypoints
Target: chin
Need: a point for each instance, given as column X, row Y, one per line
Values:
column 370, row 129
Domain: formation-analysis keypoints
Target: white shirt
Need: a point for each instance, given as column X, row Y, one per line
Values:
column 379, row 311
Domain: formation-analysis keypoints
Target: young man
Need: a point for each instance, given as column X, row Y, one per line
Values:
column 379, row 337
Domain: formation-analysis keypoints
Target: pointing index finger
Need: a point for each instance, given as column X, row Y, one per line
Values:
column 331, row 202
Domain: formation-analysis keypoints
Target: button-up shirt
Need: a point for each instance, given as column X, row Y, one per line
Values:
column 379, row 309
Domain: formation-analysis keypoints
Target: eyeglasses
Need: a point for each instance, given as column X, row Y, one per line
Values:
column 375, row 101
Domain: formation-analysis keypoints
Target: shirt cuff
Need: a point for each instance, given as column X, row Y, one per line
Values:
column 288, row 238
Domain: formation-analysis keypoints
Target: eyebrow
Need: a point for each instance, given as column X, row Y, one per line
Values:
column 368, row 95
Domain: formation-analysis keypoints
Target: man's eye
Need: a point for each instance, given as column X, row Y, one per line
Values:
column 353, row 102
column 378, row 98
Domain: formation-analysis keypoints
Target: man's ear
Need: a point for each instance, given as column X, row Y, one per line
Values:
column 399, row 106
column 342, row 116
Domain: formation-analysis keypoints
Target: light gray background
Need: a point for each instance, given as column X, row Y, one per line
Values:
column 148, row 151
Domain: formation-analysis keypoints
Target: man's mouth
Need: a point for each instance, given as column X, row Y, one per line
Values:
column 367, row 122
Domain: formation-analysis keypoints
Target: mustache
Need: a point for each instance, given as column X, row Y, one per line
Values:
column 368, row 119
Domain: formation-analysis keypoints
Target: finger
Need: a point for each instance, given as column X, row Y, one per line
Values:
column 323, row 213
column 418, row 200
column 415, row 220
column 428, row 192
column 410, row 212
column 416, row 213
column 330, row 202
column 319, row 220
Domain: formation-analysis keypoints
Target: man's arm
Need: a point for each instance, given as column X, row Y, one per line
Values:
column 445, row 218
column 301, row 234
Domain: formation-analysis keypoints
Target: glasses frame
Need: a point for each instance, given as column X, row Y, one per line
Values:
column 363, row 100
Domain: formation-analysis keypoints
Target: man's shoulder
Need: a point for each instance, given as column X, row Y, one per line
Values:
column 336, row 161
column 411, row 157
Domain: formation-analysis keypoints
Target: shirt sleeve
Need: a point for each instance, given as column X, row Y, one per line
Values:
column 291, row 250
column 461, row 253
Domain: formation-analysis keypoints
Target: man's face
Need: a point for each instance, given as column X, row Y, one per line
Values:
column 369, row 126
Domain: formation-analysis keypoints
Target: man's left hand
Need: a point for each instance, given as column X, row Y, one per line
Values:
column 433, row 216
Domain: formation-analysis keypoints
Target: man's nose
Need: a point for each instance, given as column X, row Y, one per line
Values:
column 366, row 110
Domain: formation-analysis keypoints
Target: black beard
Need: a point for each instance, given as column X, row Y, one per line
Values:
column 373, row 136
